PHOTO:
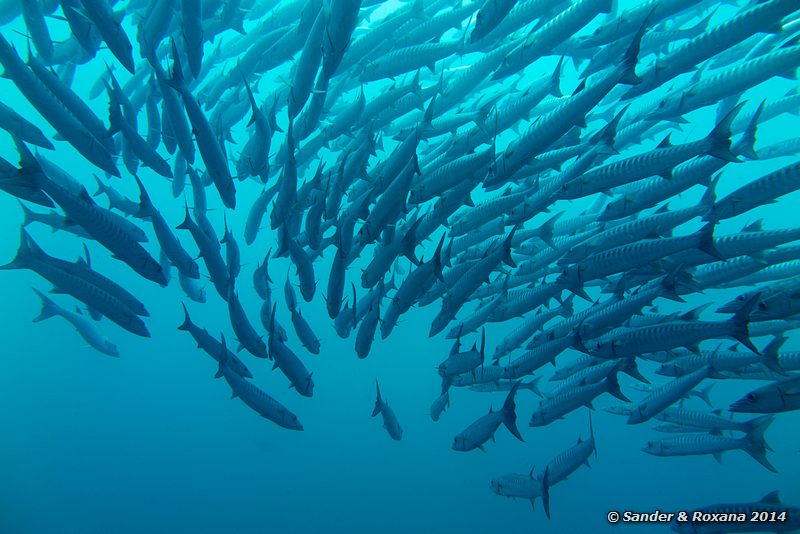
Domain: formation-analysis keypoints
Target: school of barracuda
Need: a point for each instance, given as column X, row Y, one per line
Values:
column 450, row 186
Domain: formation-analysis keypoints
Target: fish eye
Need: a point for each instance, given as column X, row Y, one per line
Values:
column 751, row 396
column 762, row 305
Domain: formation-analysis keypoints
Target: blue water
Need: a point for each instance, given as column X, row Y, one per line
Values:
column 150, row 442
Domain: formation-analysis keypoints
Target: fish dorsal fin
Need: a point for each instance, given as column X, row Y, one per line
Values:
column 665, row 143
column 756, row 226
column 772, row 498
column 84, row 195
column 581, row 87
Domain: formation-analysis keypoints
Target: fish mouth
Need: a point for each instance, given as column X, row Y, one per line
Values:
column 740, row 406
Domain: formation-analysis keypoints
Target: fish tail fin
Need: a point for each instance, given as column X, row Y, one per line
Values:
column 101, row 187
column 760, row 456
column 273, row 121
column 187, row 220
column 758, row 446
column 428, row 117
column 720, row 137
column 533, row 386
column 177, row 69
column 437, row 260
column 145, row 204
column 709, row 197
column 253, row 105
column 606, row 137
column 705, row 243
column 705, row 394
column 702, row 25
column 30, row 178
column 377, row 409
column 757, row 427
column 355, row 311
column 223, row 355
column 745, row 146
column 187, row 321
column 555, row 79
column 578, row 289
column 283, row 242
column 770, row 355
column 27, row 215
column 507, row 259
column 613, row 387
column 483, row 346
column 49, row 308
column 27, row 247
column 591, row 435
column 448, row 254
column 546, row 492
column 219, row 373
column 630, row 368
column 271, row 329
column 114, row 112
column 631, row 56
column 567, row 308
column 510, row 412
column 741, row 320
column 545, row 232
column 28, row 162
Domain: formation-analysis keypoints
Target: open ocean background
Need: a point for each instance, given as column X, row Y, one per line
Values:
column 150, row 442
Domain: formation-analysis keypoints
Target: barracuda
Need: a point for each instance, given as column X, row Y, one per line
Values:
column 699, row 444
column 257, row 399
column 558, row 406
column 761, row 17
column 552, row 33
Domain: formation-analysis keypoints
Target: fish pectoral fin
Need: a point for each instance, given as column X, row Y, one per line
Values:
column 717, row 456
